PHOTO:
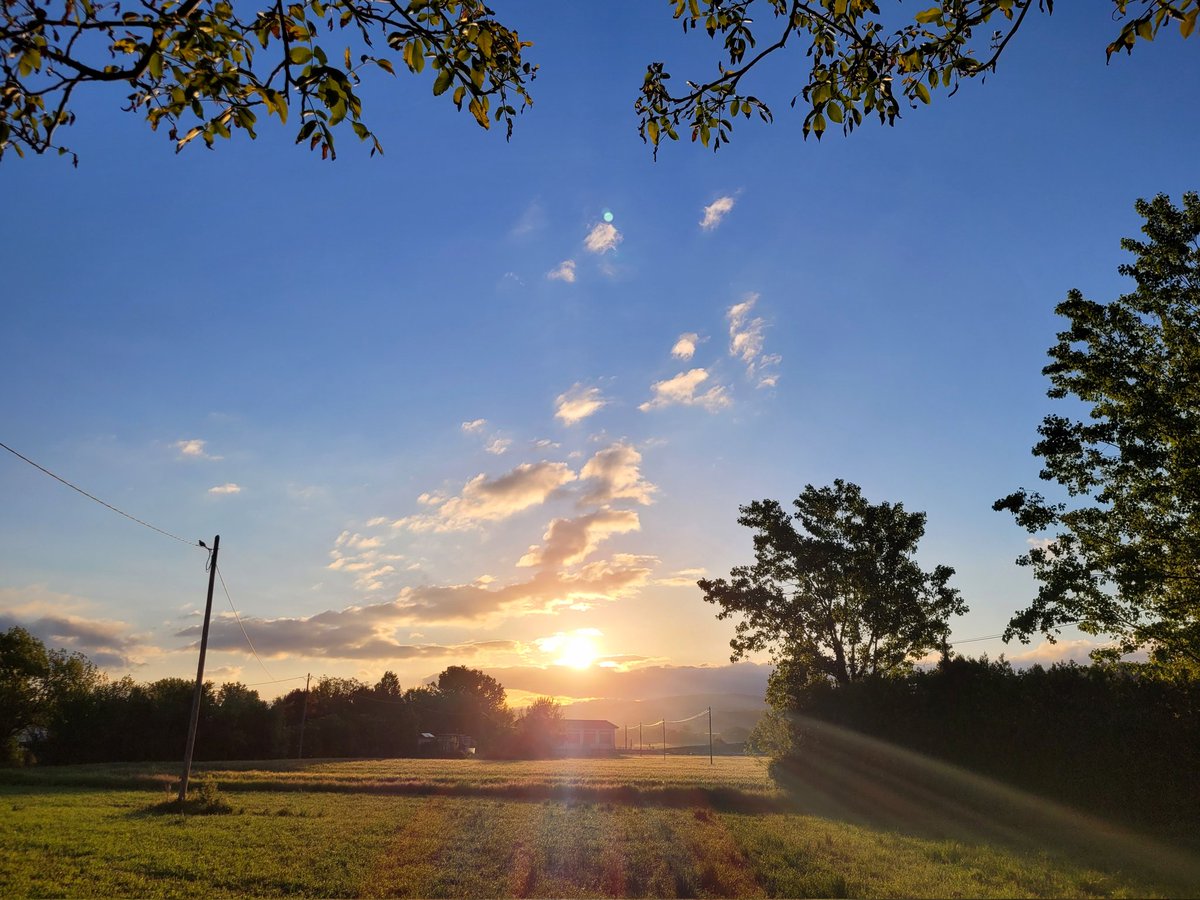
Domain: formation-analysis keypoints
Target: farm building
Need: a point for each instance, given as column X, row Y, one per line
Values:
column 445, row 744
column 580, row 737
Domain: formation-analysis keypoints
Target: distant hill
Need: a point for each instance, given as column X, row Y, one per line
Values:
column 732, row 713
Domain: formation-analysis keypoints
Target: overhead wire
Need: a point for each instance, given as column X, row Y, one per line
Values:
column 197, row 544
column 240, row 625
column 275, row 681
column 994, row 637
column 93, row 497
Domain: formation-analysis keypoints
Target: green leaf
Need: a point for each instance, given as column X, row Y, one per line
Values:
column 652, row 131
column 923, row 92
column 929, row 15
column 300, row 55
column 1188, row 23
column 442, row 82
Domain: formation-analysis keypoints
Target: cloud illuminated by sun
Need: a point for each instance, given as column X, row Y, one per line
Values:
column 577, row 649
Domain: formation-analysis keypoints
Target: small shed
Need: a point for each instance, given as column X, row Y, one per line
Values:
column 582, row 737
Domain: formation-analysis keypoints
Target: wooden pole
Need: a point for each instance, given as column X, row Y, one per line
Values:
column 304, row 716
column 664, row 737
column 639, row 738
column 627, row 738
column 710, row 755
column 195, row 719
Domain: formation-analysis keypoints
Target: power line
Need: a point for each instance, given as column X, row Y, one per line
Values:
column 274, row 681
column 993, row 637
column 98, row 500
column 240, row 625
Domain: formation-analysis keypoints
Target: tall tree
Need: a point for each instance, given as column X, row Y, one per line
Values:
column 1123, row 556
column 840, row 598
column 476, row 703
column 206, row 68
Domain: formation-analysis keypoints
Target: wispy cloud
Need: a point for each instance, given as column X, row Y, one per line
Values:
column 603, row 237
column 682, row 578
column 357, row 632
column 59, row 621
column 485, row 499
column 194, row 449
column 497, row 446
column 532, row 219
column 474, row 426
column 569, row 541
column 682, row 390
column 715, row 212
column 685, row 347
column 565, row 271
column 370, row 631
column 578, row 403
column 227, row 488
column 614, row 473
column 746, row 342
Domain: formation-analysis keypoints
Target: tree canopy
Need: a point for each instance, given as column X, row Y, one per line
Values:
column 206, row 68
column 840, row 598
column 1123, row 557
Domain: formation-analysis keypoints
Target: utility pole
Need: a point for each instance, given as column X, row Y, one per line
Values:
column 664, row 737
column 304, row 716
column 627, row 738
column 639, row 738
column 710, row 757
column 195, row 720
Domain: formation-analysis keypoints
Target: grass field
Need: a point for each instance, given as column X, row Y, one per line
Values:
column 471, row 828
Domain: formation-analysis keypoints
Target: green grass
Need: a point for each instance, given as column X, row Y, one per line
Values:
column 469, row 828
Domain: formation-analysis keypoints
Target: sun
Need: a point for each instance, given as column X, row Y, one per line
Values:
column 578, row 651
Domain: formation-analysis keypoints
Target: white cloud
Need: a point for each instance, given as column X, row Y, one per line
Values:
column 682, row 578
column 614, row 473
column 485, row 499
column 194, row 449
column 498, row 446
column 474, row 426
column 715, row 212
column 685, row 347
column 568, row 541
column 564, row 272
column 357, row 541
column 227, row 488
column 603, row 237
column 578, row 403
column 746, row 342
column 682, row 391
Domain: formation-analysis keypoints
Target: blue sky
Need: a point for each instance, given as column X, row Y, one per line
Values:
column 326, row 337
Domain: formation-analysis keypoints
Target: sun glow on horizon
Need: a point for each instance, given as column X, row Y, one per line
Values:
column 577, row 649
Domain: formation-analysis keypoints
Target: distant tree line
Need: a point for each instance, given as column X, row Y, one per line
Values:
column 1120, row 739
column 58, row 707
